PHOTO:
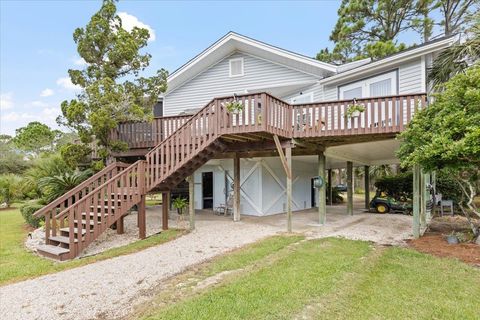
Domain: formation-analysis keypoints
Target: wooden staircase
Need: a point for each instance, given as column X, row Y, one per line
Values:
column 80, row 216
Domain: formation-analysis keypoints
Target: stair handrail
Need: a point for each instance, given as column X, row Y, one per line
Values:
column 129, row 184
column 62, row 214
column 81, row 187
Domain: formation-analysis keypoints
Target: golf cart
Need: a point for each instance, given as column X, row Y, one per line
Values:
column 382, row 203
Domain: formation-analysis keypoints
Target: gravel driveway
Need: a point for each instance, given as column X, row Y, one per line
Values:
column 111, row 288
column 107, row 289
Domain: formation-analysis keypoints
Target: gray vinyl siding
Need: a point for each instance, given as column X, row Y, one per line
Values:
column 317, row 90
column 409, row 80
column 215, row 81
column 410, row 77
column 330, row 93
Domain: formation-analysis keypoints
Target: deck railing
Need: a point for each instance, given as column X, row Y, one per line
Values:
column 382, row 115
column 75, row 195
column 148, row 134
column 263, row 112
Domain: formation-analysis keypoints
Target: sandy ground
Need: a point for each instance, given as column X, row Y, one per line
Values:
column 110, row 239
column 111, row 288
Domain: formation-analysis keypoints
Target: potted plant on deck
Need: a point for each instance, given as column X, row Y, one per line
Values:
column 234, row 106
column 354, row 110
column 180, row 204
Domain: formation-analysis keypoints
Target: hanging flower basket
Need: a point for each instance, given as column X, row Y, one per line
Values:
column 234, row 106
column 354, row 110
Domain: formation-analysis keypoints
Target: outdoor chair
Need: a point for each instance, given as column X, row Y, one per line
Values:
column 446, row 204
column 225, row 209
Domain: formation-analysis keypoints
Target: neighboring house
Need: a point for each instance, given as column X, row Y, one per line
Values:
column 238, row 64
column 296, row 123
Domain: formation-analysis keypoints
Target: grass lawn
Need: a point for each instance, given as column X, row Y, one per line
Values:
column 329, row 279
column 17, row 263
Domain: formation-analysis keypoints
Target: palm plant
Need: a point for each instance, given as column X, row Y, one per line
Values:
column 10, row 188
column 457, row 58
column 52, row 165
column 55, row 186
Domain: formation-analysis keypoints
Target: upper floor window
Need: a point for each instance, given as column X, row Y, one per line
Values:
column 236, row 67
column 382, row 85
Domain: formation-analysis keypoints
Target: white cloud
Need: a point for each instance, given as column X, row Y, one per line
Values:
column 47, row 93
column 66, row 83
column 39, row 104
column 51, row 112
column 15, row 116
column 129, row 21
column 79, row 62
column 6, row 101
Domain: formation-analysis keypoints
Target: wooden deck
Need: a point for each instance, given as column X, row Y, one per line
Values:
column 322, row 122
column 174, row 147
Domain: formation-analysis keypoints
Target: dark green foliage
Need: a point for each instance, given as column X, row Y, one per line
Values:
column 11, row 188
column 75, row 154
column 399, row 187
column 180, row 204
column 370, row 28
column 455, row 59
column 112, row 88
column 447, row 133
column 36, row 137
column 28, row 210
column 448, row 187
column 56, row 186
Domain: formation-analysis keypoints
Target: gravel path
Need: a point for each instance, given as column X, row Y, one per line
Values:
column 108, row 289
column 111, row 288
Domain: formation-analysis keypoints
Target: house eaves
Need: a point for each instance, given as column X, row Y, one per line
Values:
column 388, row 62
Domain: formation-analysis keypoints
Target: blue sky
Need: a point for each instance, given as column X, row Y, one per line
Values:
column 37, row 49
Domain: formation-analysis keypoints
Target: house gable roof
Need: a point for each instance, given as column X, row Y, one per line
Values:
column 232, row 42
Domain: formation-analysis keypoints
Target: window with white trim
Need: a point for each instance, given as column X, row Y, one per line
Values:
column 236, row 67
column 382, row 85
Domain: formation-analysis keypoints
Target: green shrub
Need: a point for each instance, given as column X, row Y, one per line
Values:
column 447, row 186
column 399, row 187
column 27, row 212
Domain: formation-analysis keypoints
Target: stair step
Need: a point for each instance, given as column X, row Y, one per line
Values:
column 106, row 207
column 52, row 251
column 85, row 222
column 92, row 215
column 61, row 239
column 75, row 230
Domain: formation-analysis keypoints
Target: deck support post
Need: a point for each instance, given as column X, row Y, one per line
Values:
column 416, row 201
column 366, row 177
column 330, row 188
column 141, row 218
column 165, row 209
column 286, row 160
column 288, row 154
column 322, row 195
column 236, row 188
column 191, row 200
column 120, row 226
column 350, row 188
column 423, row 201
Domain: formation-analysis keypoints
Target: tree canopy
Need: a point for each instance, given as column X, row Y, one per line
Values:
column 458, row 57
column 371, row 28
column 35, row 138
column 112, row 89
column 446, row 135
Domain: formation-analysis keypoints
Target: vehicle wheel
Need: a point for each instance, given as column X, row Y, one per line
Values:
column 382, row 208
